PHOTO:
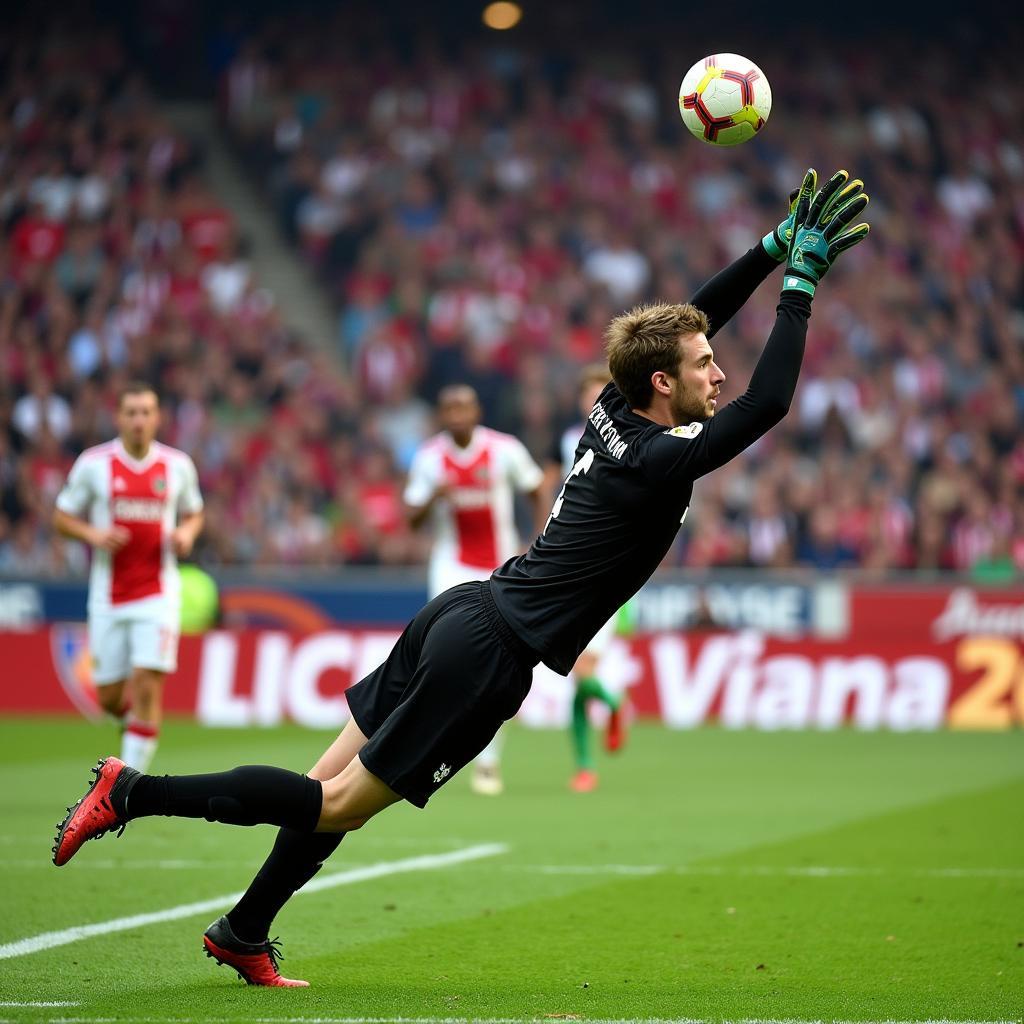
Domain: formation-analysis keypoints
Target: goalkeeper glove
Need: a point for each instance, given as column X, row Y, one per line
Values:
column 776, row 242
column 818, row 223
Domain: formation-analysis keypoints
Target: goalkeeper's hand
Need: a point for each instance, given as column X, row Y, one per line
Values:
column 776, row 242
column 818, row 228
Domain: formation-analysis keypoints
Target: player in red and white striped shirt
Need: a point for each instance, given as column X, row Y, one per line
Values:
column 136, row 502
column 464, row 480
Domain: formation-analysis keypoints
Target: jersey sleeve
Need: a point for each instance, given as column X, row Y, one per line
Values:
column 690, row 451
column 78, row 492
column 422, row 482
column 524, row 473
column 722, row 295
column 190, row 500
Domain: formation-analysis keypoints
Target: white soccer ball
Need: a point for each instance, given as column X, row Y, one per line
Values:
column 725, row 99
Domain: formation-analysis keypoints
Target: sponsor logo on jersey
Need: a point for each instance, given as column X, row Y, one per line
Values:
column 690, row 431
column 469, row 497
column 119, row 483
column 442, row 773
column 137, row 510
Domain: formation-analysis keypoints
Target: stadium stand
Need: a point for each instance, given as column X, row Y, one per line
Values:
column 479, row 216
column 118, row 263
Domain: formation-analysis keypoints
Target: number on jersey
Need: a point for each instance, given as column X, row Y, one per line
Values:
column 585, row 462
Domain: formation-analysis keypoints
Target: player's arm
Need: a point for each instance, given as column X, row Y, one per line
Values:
column 190, row 510
column 111, row 539
column 416, row 515
column 820, row 235
column 724, row 294
column 422, row 490
column 73, row 502
column 529, row 479
column 183, row 537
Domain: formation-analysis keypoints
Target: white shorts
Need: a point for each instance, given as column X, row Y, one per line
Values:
column 140, row 635
column 444, row 574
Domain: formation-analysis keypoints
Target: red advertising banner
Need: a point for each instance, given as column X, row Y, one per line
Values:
column 919, row 672
column 934, row 614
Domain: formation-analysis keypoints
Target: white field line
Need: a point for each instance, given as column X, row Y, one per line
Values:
column 763, row 871
column 142, row 863
column 38, row 1002
column 484, row 1020
column 48, row 940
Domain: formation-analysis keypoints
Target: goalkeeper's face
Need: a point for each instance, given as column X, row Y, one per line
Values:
column 697, row 383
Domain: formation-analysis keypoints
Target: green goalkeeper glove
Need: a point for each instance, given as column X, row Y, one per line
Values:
column 818, row 223
column 776, row 242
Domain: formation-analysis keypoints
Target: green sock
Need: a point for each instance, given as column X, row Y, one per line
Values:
column 581, row 731
column 592, row 687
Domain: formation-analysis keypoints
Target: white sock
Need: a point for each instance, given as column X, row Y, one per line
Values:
column 490, row 757
column 138, row 744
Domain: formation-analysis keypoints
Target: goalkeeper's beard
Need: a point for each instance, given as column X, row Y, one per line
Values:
column 688, row 408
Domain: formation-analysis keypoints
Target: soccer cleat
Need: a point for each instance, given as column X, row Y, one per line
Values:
column 254, row 962
column 584, row 781
column 93, row 815
column 615, row 732
column 486, row 781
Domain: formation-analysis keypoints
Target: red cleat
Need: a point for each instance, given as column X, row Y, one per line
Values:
column 584, row 781
column 93, row 815
column 255, row 962
column 615, row 733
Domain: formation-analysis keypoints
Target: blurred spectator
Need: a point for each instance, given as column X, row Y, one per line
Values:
column 119, row 262
column 524, row 207
column 479, row 216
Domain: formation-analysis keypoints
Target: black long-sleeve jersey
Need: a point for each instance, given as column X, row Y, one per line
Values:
column 629, row 489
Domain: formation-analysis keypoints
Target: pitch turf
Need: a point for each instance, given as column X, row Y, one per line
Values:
column 715, row 875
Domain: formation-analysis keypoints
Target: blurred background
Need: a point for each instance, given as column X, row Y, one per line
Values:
column 300, row 221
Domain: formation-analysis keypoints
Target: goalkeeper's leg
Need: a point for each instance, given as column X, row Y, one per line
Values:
column 248, row 795
column 296, row 856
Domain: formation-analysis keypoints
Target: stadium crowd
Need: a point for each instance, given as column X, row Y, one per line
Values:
column 117, row 263
column 480, row 219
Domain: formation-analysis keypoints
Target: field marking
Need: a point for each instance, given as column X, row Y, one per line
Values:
column 428, row 862
column 142, row 863
column 148, row 864
column 763, row 871
column 491, row 1020
column 38, row 1002
column 639, row 870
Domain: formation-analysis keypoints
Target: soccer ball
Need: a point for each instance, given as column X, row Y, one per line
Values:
column 725, row 99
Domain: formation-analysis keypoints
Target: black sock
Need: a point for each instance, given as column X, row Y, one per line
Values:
column 254, row 794
column 294, row 860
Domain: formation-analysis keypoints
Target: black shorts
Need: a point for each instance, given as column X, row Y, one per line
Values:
column 456, row 673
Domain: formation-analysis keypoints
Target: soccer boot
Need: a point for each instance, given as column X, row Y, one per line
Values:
column 93, row 815
column 584, row 781
column 255, row 962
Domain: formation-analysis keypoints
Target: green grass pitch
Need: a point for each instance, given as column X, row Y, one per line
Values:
column 714, row 876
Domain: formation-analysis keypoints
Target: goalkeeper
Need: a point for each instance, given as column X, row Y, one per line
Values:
column 465, row 662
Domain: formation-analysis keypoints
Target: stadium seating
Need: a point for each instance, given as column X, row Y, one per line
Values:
column 480, row 220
